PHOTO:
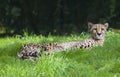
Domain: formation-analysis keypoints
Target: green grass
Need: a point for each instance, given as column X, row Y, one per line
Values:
column 98, row 62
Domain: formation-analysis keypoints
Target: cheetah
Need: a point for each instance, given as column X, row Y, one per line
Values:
column 96, row 38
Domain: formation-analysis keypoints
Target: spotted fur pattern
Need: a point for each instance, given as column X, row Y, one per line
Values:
column 97, row 35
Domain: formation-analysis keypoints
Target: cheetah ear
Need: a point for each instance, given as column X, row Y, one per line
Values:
column 90, row 25
column 106, row 25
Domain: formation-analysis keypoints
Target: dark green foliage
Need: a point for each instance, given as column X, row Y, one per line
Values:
column 57, row 16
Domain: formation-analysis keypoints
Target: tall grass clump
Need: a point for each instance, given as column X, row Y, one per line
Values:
column 98, row 62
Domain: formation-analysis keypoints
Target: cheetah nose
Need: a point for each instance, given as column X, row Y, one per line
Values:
column 99, row 34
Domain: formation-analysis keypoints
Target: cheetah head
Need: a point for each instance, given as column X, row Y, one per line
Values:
column 97, row 31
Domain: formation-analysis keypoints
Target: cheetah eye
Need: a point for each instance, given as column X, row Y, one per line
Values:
column 95, row 29
column 102, row 28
